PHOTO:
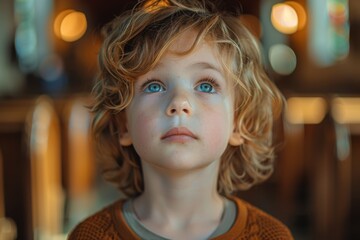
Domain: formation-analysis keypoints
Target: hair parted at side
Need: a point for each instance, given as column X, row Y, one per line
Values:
column 135, row 41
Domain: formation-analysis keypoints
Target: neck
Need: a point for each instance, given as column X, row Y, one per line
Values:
column 179, row 200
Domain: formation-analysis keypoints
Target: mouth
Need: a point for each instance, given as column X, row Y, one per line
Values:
column 178, row 133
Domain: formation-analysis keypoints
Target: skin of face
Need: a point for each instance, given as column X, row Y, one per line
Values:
column 181, row 117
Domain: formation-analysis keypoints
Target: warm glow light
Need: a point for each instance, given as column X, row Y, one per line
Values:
column 346, row 110
column 45, row 167
column 282, row 59
column 305, row 110
column 58, row 20
column 73, row 26
column 81, row 171
column 284, row 18
column 301, row 13
column 70, row 25
column 252, row 23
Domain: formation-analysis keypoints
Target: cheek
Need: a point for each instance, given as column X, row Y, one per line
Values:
column 137, row 117
column 140, row 125
column 144, row 123
column 219, row 127
column 139, row 132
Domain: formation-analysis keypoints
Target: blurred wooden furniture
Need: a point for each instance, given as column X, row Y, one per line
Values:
column 330, row 179
column 78, row 158
column 30, row 141
column 16, row 164
column 7, row 226
column 315, row 177
column 2, row 203
column 45, row 158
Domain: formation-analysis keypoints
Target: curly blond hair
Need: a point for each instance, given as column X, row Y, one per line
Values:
column 134, row 43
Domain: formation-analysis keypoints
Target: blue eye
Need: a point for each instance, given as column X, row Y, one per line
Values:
column 154, row 87
column 205, row 87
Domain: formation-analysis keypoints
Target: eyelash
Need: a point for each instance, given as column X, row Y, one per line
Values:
column 149, row 81
column 211, row 81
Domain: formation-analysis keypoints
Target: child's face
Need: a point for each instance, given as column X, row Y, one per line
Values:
column 182, row 114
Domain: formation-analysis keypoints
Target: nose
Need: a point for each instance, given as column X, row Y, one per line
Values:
column 179, row 104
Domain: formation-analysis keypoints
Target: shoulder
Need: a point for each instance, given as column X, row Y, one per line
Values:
column 98, row 226
column 262, row 225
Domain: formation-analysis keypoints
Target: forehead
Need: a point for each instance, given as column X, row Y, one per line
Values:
column 186, row 46
column 183, row 42
column 188, row 40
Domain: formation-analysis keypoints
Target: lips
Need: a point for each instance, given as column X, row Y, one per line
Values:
column 178, row 132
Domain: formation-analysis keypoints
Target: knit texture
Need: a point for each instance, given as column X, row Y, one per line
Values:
column 251, row 224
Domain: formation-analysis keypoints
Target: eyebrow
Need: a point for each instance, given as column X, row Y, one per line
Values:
column 203, row 65
column 207, row 65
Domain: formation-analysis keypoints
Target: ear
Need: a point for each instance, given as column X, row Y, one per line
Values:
column 124, row 135
column 125, row 139
column 236, row 139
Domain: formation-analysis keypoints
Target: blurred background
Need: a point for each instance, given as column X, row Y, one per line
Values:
column 49, row 177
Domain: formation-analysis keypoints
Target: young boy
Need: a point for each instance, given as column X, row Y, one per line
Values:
column 183, row 118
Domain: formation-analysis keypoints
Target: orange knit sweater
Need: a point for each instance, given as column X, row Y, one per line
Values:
column 251, row 223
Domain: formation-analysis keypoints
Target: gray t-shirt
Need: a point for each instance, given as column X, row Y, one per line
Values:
column 227, row 220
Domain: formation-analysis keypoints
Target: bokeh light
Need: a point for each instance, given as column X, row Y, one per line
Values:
column 338, row 13
column 284, row 18
column 346, row 110
column 26, row 46
column 70, row 25
column 282, row 59
column 329, row 31
column 305, row 110
column 301, row 13
column 58, row 20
